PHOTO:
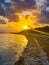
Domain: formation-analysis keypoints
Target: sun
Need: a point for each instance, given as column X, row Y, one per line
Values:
column 25, row 27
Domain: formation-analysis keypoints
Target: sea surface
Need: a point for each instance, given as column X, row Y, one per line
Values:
column 11, row 48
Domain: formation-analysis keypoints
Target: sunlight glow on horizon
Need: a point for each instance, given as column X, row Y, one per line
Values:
column 27, row 20
column 28, row 17
column 25, row 27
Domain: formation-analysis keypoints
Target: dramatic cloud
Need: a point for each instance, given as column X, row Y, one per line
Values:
column 43, row 18
column 25, row 4
column 8, row 8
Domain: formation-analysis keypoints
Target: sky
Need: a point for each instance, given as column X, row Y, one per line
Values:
column 7, row 1
column 34, row 13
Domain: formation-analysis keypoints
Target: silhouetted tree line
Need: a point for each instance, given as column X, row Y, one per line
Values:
column 45, row 29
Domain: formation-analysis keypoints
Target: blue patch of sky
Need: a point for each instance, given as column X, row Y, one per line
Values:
column 7, row 1
column 3, row 6
column 40, row 3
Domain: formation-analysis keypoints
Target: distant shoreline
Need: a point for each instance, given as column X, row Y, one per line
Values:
column 8, row 33
column 33, row 31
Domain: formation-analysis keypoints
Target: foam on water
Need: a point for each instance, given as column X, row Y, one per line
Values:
column 11, row 48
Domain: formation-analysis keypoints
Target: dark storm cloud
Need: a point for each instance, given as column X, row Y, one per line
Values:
column 44, row 21
column 25, row 4
column 2, row 22
column 13, row 17
column 44, row 16
column 47, row 3
column 9, row 8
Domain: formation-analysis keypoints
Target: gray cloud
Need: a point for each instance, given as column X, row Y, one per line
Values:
column 11, row 7
column 43, row 17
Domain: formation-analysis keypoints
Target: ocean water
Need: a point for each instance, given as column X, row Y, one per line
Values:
column 11, row 48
